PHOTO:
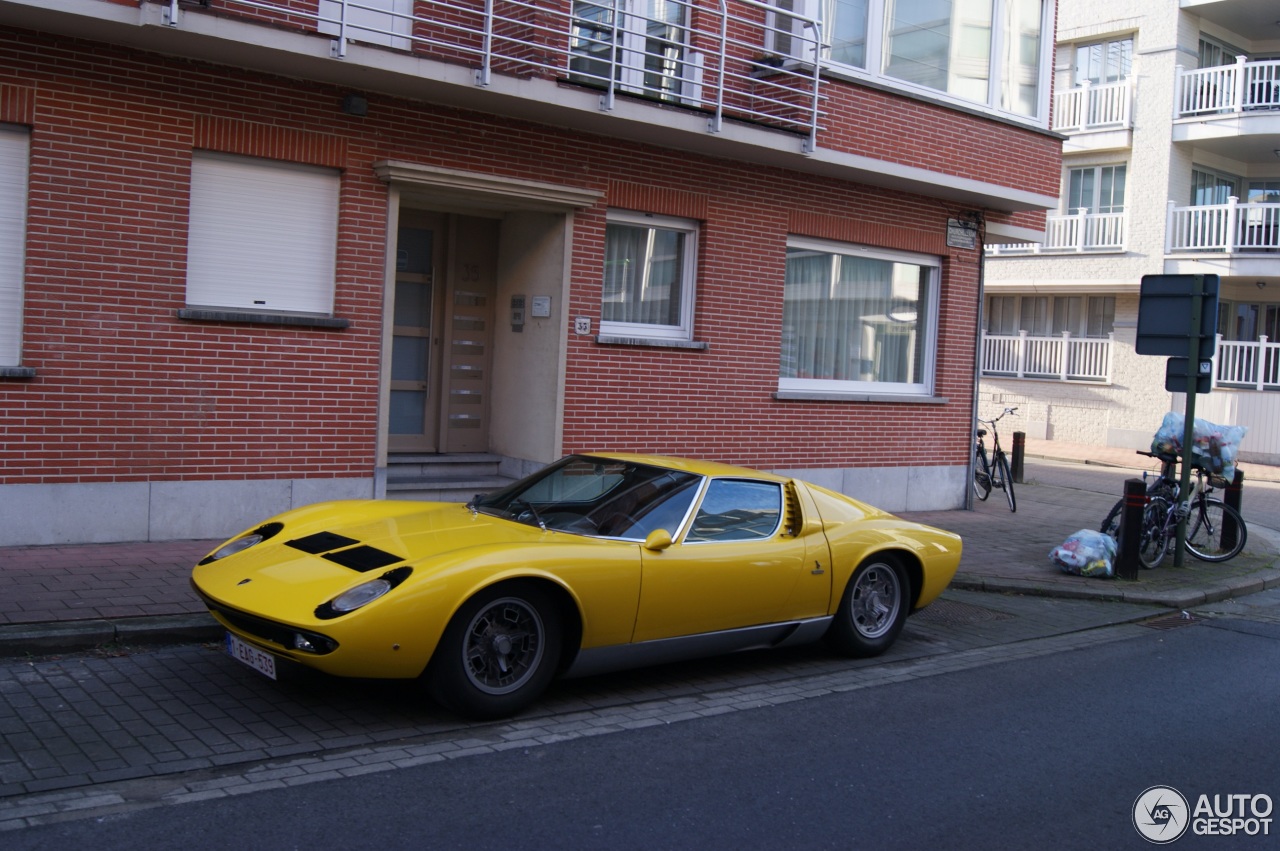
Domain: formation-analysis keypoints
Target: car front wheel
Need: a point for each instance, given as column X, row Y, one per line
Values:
column 872, row 610
column 499, row 653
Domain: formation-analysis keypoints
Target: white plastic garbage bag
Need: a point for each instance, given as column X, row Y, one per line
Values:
column 1086, row 553
column 1214, row 447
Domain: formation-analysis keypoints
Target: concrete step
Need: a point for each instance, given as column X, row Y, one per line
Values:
column 437, row 490
column 461, row 465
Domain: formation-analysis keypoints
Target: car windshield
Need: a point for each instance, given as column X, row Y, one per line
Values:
column 597, row 496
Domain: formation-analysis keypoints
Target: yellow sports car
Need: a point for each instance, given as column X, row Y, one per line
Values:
column 597, row 562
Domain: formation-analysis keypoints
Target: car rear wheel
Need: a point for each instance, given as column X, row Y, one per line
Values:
column 499, row 653
column 872, row 610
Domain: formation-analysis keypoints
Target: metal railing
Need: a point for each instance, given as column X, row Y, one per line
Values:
column 1231, row 228
column 1063, row 357
column 714, row 57
column 1093, row 106
column 1079, row 232
column 1227, row 89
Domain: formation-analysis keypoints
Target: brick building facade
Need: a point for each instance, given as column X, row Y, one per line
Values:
column 176, row 367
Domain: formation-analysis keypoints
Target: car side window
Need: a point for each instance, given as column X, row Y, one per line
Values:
column 737, row 510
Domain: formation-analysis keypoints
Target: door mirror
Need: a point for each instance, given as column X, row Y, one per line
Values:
column 658, row 540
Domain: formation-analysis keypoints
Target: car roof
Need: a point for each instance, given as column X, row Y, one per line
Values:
column 688, row 465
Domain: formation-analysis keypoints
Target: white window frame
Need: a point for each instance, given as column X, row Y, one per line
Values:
column 1107, row 47
column 929, row 349
column 878, row 43
column 1096, row 204
column 627, row 39
column 15, row 157
column 263, row 235
column 683, row 330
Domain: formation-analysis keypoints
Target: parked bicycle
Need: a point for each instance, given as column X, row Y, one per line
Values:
column 992, row 473
column 1215, row 531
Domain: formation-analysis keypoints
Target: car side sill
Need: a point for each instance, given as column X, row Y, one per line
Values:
column 617, row 657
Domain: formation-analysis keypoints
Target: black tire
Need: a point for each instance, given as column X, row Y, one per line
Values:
column 981, row 477
column 1111, row 525
column 1209, row 530
column 1006, row 480
column 873, row 609
column 1155, row 538
column 498, row 653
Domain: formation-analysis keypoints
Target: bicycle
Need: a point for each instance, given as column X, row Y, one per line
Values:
column 993, row 473
column 1215, row 531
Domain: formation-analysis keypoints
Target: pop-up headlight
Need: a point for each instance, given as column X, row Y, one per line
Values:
column 244, row 542
column 362, row 594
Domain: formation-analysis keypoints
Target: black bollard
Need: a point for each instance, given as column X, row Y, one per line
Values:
column 1232, row 495
column 1135, row 505
column 1019, row 451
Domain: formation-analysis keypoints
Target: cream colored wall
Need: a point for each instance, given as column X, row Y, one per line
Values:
column 1127, row 411
column 528, row 366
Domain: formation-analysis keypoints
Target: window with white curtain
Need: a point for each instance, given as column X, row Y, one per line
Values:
column 14, row 144
column 263, row 235
column 1041, row 316
column 858, row 319
column 649, row 264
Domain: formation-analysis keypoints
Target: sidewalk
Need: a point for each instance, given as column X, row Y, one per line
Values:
column 61, row 598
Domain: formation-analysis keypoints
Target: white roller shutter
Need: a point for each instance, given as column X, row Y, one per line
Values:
column 263, row 235
column 14, row 145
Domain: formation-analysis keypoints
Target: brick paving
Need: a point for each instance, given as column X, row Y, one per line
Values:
column 81, row 731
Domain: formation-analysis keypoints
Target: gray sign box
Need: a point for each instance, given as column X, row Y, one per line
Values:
column 1164, row 314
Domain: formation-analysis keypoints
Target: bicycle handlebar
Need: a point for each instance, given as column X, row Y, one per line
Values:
column 992, row 421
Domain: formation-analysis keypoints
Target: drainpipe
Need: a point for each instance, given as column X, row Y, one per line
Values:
column 977, row 355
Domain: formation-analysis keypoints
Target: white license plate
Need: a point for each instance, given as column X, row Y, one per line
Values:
column 259, row 660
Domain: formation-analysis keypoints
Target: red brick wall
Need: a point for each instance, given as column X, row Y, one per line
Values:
column 125, row 391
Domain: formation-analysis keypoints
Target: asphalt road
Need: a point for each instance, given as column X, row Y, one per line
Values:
column 1051, row 751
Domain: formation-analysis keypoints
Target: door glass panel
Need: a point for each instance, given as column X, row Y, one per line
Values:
column 408, row 411
column 413, row 304
column 409, row 359
column 411, row 340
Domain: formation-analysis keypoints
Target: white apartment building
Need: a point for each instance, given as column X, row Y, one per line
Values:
column 1171, row 165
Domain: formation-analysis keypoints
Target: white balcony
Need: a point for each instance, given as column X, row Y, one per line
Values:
column 1253, row 365
column 1081, row 232
column 1230, row 110
column 1230, row 228
column 1093, row 107
column 1224, row 89
column 1060, row 358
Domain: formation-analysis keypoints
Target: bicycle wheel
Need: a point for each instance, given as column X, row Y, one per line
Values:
column 1215, row 531
column 1155, row 535
column 1111, row 525
column 1006, row 480
column 981, row 476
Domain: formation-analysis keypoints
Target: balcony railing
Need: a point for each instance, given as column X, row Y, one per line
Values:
column 1242, row 87
column 1254, row 365
column 1093, row 107
column 1064, row 357
column 1075, row 233
column 712, row 56
column 1232, row 228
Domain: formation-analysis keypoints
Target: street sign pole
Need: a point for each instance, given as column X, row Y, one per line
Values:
column 1188, row 430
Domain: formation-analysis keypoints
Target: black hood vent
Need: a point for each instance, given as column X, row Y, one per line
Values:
column 363, row 559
